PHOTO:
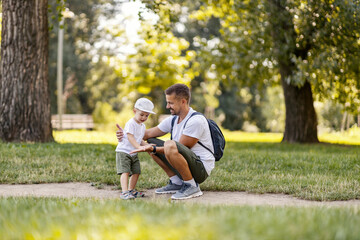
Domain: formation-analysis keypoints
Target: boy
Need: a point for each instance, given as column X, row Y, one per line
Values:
column 126, row 163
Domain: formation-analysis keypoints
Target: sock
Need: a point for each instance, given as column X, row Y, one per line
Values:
column 176, row 180
column 191, row 182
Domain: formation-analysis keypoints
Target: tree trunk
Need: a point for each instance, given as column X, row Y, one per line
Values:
column 24, row 87
column 301, row 121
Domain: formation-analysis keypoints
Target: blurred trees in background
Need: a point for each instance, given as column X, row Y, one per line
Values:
column 233, row 54
column 252, row 65
column 306, row 46
column 82, row 34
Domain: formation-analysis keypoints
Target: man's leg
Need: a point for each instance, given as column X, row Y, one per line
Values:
column 164, row 166
column 175, row 182
column 161, row 160
column 177, row 160
column 187, row 164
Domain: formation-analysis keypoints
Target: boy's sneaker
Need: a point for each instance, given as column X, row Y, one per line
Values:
column 187, row 191
column 126, row 196
column 136, row 194
column 170, row 188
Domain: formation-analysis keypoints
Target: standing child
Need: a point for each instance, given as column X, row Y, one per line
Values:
column 126, row 164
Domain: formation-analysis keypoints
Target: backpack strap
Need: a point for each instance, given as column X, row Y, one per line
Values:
column 197, row 113
column 173, row 122
column 193, row 114
column 172, row 126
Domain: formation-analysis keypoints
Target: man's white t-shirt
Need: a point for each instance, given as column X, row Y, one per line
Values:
column 196, row 127
column 137, row 130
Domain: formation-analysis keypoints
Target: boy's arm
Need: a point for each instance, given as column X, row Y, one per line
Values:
column 149, row 148
column 143, row 143
column 132, row 140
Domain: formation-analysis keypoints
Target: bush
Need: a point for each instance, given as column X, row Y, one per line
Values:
column 105, row 117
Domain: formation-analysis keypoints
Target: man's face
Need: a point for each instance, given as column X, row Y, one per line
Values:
column 173, row 104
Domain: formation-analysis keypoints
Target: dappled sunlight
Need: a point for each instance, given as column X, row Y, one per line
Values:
column 83, row 136
column 350, row 137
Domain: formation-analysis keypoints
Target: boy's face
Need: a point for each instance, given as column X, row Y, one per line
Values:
column 140, row 116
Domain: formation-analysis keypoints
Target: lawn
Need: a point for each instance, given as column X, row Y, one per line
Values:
column 39, row 218
column 252, row 162
column 314, row 172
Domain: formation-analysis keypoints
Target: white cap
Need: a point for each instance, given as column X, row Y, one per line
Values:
column 145, row 105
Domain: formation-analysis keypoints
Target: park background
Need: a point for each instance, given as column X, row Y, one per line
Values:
column 111, row 59
column 270, row 73
column 286, row 67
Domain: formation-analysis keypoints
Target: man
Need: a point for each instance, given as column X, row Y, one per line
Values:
column 183, row 159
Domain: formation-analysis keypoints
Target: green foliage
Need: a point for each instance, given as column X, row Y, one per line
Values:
column 329, row 115
column 81, row 32
column 55, row 10
column 159, row 61
column 275, row 116
column 321, row 40
column 32, row 218
column 106, row 118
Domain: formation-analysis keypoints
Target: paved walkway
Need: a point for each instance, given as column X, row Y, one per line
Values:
column 85, row 190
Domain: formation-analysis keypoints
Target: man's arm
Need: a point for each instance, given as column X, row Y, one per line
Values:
column 153, row 132
column 185, row 140
column 188, row 141
column 119, row 133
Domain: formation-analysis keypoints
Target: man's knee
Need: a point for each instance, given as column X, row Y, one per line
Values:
column 170, row 148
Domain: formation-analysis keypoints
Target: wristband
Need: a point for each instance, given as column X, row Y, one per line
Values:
column 154, row 150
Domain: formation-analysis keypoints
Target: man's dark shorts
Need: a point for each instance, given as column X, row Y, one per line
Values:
column 196, row 166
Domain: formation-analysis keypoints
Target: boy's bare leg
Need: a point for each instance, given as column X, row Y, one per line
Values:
column 177, row 160
column 133, row 180
column 124, row 182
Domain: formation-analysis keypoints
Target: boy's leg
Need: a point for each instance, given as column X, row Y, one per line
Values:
column 135, row 171
column 123, row 163
column 124, row 179
column 133, row 180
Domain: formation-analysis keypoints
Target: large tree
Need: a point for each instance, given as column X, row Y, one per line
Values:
column 309, row 47
column 24, row 87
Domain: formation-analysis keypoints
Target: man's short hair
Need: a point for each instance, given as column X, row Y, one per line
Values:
column 180, row 90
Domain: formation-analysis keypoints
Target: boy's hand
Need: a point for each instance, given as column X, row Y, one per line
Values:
column 119, row 133
column 146, row 148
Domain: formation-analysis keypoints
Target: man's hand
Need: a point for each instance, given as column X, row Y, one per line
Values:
column 119, row 133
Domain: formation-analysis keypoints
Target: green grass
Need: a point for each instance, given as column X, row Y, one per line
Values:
column 252, row 162
column 38, row 218
column 315, row 172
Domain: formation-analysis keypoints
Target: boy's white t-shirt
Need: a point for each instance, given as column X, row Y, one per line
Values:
column 137, row 130
column 196, row 127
